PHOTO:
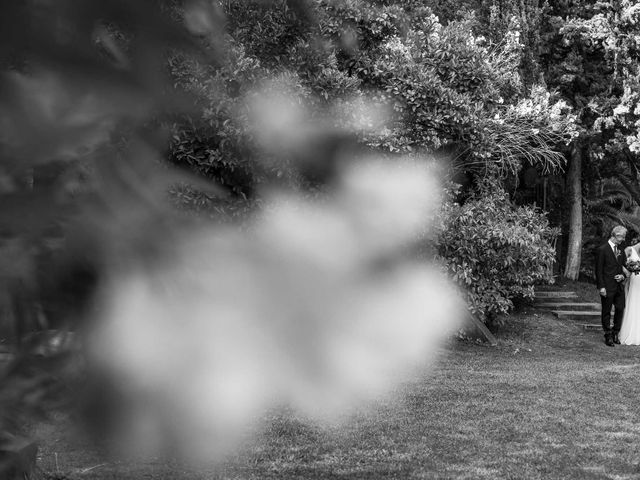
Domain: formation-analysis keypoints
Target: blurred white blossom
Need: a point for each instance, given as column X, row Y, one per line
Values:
column 318, row 306
column 621, row 110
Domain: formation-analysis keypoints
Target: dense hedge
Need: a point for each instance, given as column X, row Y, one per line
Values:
column 390, row 72
column 496, row 251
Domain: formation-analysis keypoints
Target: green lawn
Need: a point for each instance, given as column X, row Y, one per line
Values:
column 550, row 401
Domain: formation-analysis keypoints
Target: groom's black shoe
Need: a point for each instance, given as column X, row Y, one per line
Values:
column 616, row 339
column 608, row 340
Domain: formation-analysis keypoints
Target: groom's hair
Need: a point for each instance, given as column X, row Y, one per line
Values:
column 617, row 229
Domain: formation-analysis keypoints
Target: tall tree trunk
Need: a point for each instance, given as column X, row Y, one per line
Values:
column 574, row 183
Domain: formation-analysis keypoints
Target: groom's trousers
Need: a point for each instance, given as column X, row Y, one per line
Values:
column 615, row 298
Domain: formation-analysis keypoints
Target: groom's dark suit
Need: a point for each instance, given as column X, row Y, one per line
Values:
column 607, row 267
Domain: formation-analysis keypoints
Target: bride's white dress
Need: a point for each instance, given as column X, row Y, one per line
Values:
column 630, row 330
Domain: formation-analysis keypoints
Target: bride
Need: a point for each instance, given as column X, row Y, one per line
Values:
column 630, row 330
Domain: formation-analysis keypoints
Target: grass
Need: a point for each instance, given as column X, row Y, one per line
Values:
column 551, row 401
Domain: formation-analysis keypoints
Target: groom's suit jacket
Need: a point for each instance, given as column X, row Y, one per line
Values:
column 607, row 267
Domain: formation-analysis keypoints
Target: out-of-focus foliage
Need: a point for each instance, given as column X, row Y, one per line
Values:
column 495, row 251
column 315, row 305
column 78, row 81
column 273, row 74
column 248, row 96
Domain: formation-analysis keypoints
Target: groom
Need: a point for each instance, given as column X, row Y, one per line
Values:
column 610, row 283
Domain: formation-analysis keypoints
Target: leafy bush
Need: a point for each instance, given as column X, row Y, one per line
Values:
column 495, row 251
column 404, row 79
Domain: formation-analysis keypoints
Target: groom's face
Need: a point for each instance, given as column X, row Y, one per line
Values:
column 618, row 238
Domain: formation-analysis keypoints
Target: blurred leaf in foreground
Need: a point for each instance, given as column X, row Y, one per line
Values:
column 318, row 305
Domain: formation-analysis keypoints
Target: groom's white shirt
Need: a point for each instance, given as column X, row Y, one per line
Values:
column 613, row 246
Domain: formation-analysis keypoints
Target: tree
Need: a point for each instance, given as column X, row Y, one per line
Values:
column 574, row 175
column 590, row 56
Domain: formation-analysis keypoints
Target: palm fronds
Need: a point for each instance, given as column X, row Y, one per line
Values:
column 614, row 203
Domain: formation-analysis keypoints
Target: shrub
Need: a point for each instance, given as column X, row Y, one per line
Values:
column 494, row 250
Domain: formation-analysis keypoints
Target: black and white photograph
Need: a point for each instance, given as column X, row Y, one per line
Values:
column 319, row 239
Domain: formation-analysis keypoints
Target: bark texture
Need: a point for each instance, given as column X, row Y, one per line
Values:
column 574, row 242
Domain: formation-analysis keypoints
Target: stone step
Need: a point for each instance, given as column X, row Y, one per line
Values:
column 576, row 315
column 547, row 287
column 556, row 294
column 592, row 326
column 568, row 305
